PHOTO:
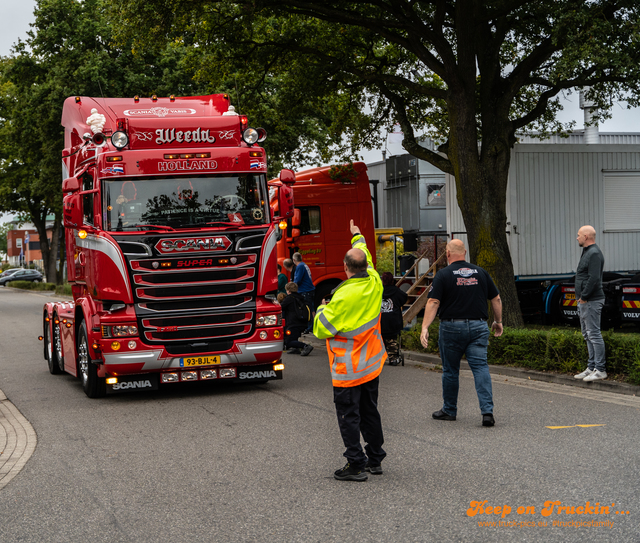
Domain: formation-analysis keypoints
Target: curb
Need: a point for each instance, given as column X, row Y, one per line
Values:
column 18, row 440
column 433, row 362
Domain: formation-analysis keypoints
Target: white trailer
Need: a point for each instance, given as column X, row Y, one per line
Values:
column 555, row 187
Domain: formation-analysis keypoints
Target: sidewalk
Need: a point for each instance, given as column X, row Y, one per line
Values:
column 432, row 361
column 17, row 441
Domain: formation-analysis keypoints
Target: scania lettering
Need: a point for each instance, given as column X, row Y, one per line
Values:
column 132, row 384
column 258, row 374
column 171, row 230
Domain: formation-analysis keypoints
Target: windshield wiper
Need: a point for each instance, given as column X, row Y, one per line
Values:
column 221, row 223
column 158, row 226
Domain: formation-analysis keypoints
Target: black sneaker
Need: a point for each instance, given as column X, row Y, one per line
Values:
column 488, row 420
column 374, row 470
column 307, row 349
column 294, row 351
column 394, row 362
column 349, row 473
column 441, row 415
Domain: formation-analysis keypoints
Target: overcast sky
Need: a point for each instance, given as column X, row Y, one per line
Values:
column 17, row 14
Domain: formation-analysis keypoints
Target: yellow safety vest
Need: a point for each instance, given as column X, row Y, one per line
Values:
column 351, row 325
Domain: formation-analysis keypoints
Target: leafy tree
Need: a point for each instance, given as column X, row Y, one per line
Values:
column 69, row 52
column 4, row 230
column 468, row 73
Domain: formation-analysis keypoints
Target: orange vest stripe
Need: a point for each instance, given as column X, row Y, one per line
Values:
column 357, row 356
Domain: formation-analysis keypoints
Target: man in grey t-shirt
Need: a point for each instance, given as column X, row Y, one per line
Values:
column 590, row 298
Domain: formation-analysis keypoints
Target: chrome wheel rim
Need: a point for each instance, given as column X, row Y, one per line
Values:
column 56, row 336
column 83, row 358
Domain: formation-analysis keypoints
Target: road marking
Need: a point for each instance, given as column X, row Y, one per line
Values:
column 574, row 426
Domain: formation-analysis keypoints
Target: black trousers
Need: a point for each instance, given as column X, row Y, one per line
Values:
column 357, row 410
column 291, row 339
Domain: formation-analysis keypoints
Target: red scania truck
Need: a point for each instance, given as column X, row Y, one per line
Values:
column 171, row 246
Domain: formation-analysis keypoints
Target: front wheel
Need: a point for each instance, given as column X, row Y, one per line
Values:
column 93, row 386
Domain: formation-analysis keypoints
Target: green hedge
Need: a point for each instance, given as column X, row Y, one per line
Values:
column 30, row 285
column 548, row 350
column 64, row 290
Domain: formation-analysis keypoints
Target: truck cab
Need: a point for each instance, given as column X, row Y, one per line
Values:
column 326, row 199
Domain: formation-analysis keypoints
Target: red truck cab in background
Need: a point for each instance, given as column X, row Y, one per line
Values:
column 171, row 246
column 319, row 228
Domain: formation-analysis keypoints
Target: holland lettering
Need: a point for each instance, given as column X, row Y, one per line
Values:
column 187, row 165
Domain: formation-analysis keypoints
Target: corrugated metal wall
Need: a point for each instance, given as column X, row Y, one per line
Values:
column 553, row 190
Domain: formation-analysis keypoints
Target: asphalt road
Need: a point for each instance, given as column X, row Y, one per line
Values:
column 214, row 463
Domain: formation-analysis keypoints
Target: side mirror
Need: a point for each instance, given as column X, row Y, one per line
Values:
column 295, row 233
column 297, row 218
column 71, row 184
column 285, row 201
column 287, row 177
column 72, row 210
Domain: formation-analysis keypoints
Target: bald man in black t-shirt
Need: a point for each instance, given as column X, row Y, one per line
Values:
column 460, row 291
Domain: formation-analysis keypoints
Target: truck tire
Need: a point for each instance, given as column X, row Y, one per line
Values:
column 56, row 348
column 49, row 351
column 93, row 386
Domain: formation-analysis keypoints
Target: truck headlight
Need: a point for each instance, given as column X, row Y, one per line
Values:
column 119, row 140
column 268, row 319
column 250, row 136
column 120, row 330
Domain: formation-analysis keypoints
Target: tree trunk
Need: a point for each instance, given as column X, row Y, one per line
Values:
column 481, row 184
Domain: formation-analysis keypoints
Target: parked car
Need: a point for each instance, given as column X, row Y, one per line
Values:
column 22, row 275
column 10, row 271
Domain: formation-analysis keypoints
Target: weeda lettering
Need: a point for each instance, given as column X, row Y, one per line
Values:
column 169, row 135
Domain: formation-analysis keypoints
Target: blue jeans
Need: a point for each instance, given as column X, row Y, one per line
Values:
column 589, row 313
column 471, row 339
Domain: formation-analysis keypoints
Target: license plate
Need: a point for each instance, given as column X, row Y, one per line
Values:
column 568, row 296
column 199, row 361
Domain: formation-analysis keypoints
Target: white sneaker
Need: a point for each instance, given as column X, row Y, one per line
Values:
column 596, row 375
column 584, row 374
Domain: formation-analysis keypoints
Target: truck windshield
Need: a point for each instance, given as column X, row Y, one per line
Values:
column 181, row 202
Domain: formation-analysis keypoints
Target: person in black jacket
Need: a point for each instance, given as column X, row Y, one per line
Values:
column 590, row 298
column 296, row 316
column 393, row 299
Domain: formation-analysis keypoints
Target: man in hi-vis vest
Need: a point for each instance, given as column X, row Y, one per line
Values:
column 351, row 324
